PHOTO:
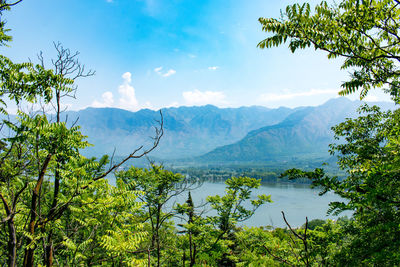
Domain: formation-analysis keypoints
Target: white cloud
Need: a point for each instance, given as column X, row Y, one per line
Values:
column 127, row 97
column 169, row 73
column 192, row 55
column 127, row 92
column 172, row 105
column 197, row 97
column 213, row 68
column 286, row 96
column 107, row 101
column 127, row 76
column 165, row 74
column 148, row 105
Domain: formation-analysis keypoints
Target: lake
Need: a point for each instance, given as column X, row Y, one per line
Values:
column 296, row 200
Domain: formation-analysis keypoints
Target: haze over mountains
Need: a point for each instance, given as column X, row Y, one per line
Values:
column 208, row 134
column 188, row 131
column 304, row 134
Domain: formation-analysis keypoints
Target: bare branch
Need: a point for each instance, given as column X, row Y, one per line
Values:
column 56, row 212
column 6, row 206
column 302, row 238
column 294, row 232
column 277, row 257
column 5, row 5
column 159, row 133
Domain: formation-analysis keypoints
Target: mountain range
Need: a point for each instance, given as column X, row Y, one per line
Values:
column 208, row 134
column 188, row 131
column 304, row 134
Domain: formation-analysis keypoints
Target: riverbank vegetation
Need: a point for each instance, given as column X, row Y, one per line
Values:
column 265, row 174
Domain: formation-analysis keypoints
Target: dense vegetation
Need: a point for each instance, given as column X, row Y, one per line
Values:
column 57, row 208
column 220, row 174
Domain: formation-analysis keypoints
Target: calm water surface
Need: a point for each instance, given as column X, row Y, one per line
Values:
column 296, row 200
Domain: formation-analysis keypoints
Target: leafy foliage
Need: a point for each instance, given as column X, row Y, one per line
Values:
column 159, row 186
column 370, row 157
column 56, row 208
column 364, row 33
column 230, row 207
column 55, row 204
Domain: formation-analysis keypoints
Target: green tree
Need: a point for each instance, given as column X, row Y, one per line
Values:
column 104, row 229
column 371, row 188
column 233, row 207
column 260, row 246
column 188, row 209
column 159, row 187
column 23, row 82
column 45, row 181
column 363, row 33
column 230, row 208
column 366, row 35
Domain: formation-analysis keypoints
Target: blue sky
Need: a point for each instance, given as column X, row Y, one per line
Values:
column 158, row 53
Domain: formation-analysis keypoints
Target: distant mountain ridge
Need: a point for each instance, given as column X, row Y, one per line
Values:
column 189, row 131
column 208, row 135
column 305, row 134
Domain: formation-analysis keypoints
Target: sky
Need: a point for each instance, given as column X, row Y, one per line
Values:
column 163, row 53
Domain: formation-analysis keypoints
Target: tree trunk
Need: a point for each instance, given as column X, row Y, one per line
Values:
column 158, row 251
column 49, row 253
column 30, row 251
column 12, row 237
column 193, row 259
column 148, row 258
column 158, row 235
column 12, row 244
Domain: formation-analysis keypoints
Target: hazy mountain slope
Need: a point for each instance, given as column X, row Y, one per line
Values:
column 189, row 131
column 246, row 134
column 305, row 134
